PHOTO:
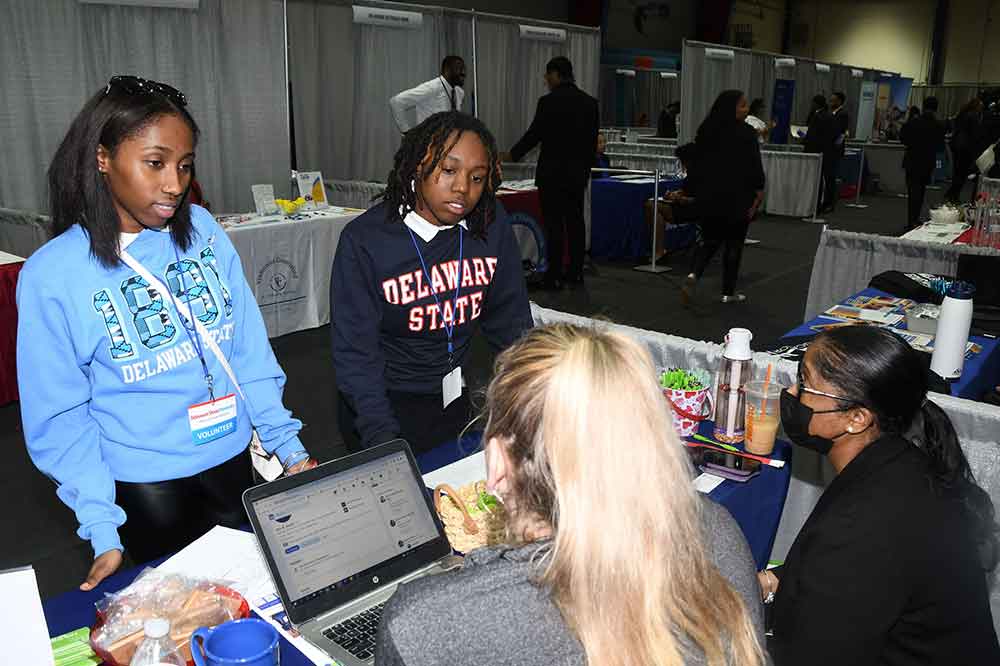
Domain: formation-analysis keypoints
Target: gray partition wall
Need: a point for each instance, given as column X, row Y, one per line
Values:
column 226, row 57
column 708, row 69
column 343, row 74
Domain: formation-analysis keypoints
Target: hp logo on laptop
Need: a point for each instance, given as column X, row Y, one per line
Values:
column 375, row 579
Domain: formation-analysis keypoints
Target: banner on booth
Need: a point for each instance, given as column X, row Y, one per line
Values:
column 866, row 110
column 781, row 109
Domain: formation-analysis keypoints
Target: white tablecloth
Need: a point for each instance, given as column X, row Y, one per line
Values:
column 287, row 264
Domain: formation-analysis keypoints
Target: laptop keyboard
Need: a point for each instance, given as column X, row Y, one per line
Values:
column 357, row 634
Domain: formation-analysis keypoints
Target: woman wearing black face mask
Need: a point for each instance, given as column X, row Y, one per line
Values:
column 891, row 566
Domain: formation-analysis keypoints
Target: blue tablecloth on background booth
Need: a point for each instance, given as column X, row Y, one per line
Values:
column 617, row 226
column 980, row 373
column 756, row 505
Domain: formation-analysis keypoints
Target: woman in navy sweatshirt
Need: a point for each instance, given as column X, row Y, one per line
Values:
column 414, row 277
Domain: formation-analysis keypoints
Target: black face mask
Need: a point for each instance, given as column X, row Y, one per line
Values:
column 795, row 418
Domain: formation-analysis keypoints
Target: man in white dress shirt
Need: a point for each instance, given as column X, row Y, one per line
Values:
column 443, row 93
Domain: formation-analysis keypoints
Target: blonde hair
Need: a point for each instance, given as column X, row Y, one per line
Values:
column 596, row 459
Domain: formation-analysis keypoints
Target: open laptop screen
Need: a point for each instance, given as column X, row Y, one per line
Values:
column 323, row 534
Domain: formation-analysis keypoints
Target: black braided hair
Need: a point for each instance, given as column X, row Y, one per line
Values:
column 433, row 135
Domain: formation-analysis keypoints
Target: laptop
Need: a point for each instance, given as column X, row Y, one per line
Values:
column 338, row 539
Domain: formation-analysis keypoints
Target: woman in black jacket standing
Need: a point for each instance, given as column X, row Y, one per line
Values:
column 891, row 567
column 729, row 189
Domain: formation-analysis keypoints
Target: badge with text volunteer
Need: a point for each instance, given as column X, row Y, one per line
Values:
column 451, row 383
column 217, row 417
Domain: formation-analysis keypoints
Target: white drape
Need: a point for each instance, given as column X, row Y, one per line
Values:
column 56, row 54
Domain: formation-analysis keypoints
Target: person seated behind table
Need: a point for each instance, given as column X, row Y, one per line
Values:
column 676, row 207
column 574, row 417
column 891, row 566
column 601, row 160
column 414, row 278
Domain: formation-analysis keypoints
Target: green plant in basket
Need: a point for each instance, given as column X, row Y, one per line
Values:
column 684, row 380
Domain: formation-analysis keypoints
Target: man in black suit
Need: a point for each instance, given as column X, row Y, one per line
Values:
column 841, row 122
column 666, row 124
column 566, row 123
column 821, row 138
column 924, row 139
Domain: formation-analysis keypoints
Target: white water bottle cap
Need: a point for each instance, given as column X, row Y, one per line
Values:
column 156, row 627
column 738, row 344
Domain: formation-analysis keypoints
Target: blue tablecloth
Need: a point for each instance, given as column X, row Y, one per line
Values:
column 756, row 504
column 617, row 226
column 980, row 373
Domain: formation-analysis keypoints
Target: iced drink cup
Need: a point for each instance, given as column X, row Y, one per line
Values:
column 762, row 417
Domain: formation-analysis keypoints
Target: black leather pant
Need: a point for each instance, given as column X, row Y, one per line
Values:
column 165, row 516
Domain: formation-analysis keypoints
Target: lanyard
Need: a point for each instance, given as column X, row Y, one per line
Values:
column 190, row 326
column 449, row 95
column 449, row 329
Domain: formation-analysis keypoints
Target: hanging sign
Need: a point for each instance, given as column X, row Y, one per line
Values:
column 542, row 34
column 388, row 18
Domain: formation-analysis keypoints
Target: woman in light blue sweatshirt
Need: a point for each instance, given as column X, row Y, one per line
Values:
column 124, row 401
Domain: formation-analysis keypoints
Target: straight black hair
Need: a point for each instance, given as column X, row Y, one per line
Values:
column 756, row 106
column 877, row 369
column 721, row 119
column 434, row 136
column 930, row 103
column 842, row 96
column 79, row 194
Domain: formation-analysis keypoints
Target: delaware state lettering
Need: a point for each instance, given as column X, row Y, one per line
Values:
column 408, row 288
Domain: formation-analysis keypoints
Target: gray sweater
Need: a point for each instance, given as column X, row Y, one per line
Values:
column 490, row 612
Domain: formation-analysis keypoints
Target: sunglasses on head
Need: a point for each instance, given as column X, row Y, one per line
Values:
column 134, row 85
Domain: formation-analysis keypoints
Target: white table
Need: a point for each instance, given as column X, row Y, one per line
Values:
column 287, row 264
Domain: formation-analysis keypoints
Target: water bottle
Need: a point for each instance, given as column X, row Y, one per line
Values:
column 953, row 331
column 735, row 371
column 157, row 649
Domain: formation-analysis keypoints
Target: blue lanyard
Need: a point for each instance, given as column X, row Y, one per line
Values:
column 449, row 329
column 189, row 326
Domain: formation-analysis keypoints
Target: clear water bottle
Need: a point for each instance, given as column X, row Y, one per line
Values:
column 157, row 649
column 735, row 371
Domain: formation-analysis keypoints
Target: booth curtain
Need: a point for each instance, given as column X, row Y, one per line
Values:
column 343, row 75
column 702, row 79
column 56, row 54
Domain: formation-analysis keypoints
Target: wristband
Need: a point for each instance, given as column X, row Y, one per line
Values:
column 295, row 459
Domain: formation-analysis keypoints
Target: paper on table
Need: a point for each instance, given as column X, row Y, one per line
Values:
column 706, row 483
column 459, row 473
column 21, row 615
column 233, row 556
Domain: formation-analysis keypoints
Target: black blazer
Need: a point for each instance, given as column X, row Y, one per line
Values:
column 841, row 124
column 727, row 172
column 924, row 139
column 884, row 571
column 821, row 133
column 566, row 123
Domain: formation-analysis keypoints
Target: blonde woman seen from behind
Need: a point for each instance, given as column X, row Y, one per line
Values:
column 613, row 558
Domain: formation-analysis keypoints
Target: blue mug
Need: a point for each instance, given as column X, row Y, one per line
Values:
column 249, row 642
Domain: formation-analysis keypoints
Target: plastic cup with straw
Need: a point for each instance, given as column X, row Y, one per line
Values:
column 762, row 414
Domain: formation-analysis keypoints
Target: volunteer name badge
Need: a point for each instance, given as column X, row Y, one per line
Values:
column 213, row 419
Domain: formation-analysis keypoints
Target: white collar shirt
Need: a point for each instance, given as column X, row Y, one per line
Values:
column 412, row 107
column 425, row 229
